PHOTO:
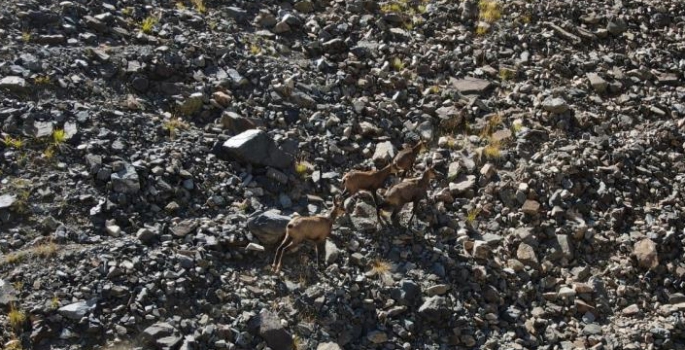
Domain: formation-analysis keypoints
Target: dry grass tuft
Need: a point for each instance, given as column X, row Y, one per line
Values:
column 16, row 317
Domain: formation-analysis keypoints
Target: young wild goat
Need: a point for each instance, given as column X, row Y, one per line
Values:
column 312, row 228
column 357, row 180
column 410, row 190
column 405, row 158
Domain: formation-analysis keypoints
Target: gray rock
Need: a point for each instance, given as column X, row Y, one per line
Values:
column 39, row 129
column 377, row 337
column 7, row 200
column 566, row 246
column 13, row 83
column 169, row 342
column 78, row 310
column 592, row 329
column 8, row 294
column 600, row 85
column 328, row 346
column 332, row 252
column 237, row 13
column 268, row 227
column 616, row 26
column 434, row 309
column 409, row 292
column 184, row 228
column 438, row 289
column 157, row 331
column 463, row 185
column 526, row 254
column 125, row 180
column 237, row 123
column 555, row 105
column 385, row 152
column 269, row 327
column 255, row 147
column 364, row 215
column 471, row 86
column 304, row 6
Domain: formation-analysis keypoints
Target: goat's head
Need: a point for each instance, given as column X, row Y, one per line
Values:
column 338, row 207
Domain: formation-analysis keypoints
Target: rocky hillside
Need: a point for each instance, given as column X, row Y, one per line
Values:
column 152, row 151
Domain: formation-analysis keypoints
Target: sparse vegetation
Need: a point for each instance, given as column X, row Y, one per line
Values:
column 301, row 169
column 127, row 11
column 45, row 250
column 298, row 343
column 42, row 80
column 148, row 24
column 173, row 125
column 54, row 302
column 199, row 6
column 397, row 64
column 16, row 317
column 26, row 37
column 489, row 12
column 15, row 143
column 472, row 215
column 493, row 150
column 59, row 137
column 506, row 74
column 181, row 6
column 516, row 126
column 380, row 267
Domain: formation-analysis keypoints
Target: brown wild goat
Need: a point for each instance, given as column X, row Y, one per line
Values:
column 409, row 190
column 312, row 228
column 405, row 158
column 357, row 180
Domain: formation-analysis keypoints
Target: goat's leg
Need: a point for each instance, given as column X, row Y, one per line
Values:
column 279, row 250
column 393, row 216
column 290, row 246
column 413, row 213
column 316, row 251
column 378, row 209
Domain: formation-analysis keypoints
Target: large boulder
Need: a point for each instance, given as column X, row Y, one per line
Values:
column 254, row 146
column 268, row 227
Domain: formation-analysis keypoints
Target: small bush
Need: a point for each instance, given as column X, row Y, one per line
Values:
column 58, row 137
column 397, row 64
column 490, row 11
column 41, row 80
column 147, row 24
column 472, row 215
column 16, row 143
column 173, row 125
column 380, row 267
column 16, row 317
column 199, row 6
column 493, row 150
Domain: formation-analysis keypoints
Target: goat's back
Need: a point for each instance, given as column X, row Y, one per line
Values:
column 308, row 227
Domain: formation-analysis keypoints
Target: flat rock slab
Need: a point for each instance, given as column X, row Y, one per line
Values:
column 77, row 311
column 254, row 146
column 471, row 86
column 13, row 83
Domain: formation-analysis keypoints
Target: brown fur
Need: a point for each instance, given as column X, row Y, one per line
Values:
column 311, row 228
column 409, row 190
column 357, row 180
column 405, row 158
